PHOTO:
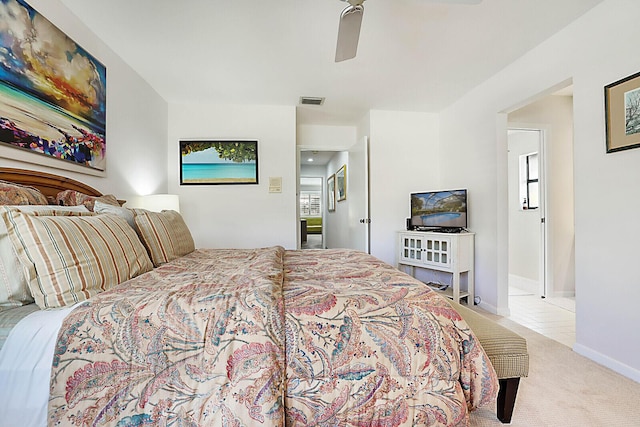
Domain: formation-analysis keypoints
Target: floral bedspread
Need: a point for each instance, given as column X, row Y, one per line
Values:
column 268, row 337
column 368, row 345
column 195, row 342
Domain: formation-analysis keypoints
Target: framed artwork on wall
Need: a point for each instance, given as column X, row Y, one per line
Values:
column 207, row 162
column 341, row 183
column 622, row 110
column 331, row 193
column 52, row 91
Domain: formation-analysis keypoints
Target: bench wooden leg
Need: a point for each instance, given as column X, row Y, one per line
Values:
column 507, row 398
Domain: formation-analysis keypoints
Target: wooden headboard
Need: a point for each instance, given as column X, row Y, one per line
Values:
column 49, row 184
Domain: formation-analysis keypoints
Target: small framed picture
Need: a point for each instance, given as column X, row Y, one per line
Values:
column 622, row 110
column 331, row 193
column 341, row 183
column 218, row 162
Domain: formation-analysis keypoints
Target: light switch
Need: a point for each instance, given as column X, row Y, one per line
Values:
column 275, row 184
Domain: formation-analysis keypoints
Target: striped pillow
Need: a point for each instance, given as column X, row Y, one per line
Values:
column 14, row 289
column 165, row 235
column 68, row 259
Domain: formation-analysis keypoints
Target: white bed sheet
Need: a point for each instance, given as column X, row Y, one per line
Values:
column 25, row 368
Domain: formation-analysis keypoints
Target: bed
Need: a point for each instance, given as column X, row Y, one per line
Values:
column 184, row 336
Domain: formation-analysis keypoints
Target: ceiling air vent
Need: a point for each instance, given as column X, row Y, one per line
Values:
column 310, row 100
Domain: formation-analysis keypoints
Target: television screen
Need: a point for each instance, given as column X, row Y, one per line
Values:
column 439, row 209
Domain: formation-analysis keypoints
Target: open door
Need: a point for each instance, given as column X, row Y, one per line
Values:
column 358, row 190
column 527, row 226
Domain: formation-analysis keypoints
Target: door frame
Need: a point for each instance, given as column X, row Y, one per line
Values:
column 334, row 149
column 300, row 149
column 360, row 208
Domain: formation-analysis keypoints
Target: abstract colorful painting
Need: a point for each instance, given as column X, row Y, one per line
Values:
column 52, row 92
column 218, row 162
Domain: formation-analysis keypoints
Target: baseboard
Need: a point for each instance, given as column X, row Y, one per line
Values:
column 493, row 309
column 504, row 312
column 608, row 362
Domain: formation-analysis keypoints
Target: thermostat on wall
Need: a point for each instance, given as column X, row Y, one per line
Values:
column 275, row 184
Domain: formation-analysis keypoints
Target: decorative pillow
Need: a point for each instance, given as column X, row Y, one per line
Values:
column 14, row 289
column 124, row 213
column 16, row 194
column 165, row 235
column 68, row 259
column 75, row 198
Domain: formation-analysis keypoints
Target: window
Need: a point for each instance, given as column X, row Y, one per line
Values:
column 529, row 181
column 310, row 203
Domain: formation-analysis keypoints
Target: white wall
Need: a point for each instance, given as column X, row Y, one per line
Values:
column 403, row 158
column 313, row 171
column 238, row 216
column 136, row 121
column 325, row 137
column 593, row 51
column 555, row 115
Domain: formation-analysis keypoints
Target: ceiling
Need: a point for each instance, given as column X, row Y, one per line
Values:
column 316, row 158
column 413, row 55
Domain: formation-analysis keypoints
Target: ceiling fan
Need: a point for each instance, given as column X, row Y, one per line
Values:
column 351, row 21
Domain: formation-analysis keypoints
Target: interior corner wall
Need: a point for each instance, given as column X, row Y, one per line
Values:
column 238, row 216
column 473, row 146
column 403, row 153
column 136, row 121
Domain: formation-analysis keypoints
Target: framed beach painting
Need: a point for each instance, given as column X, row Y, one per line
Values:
column 341, row 183
column 52, row 91
column 206, row 162
column 622, row 110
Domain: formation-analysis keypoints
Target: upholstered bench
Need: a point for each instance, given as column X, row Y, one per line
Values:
column 507, row 352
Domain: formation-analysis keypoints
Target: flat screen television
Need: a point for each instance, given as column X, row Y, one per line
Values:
column 444, row 210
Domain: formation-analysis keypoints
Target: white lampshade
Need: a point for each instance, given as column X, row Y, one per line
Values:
column 159, row 202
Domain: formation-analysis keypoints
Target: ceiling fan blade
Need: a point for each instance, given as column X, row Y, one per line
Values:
column 349, row 32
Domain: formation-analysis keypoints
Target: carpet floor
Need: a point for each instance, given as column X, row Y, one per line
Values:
column 565, row 389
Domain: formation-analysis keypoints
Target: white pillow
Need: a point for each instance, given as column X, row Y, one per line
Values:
column 126, row 214
column 14, row 289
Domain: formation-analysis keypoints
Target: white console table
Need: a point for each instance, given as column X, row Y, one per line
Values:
column 449, row 252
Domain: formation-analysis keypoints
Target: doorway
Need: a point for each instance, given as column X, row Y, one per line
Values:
column 345, row 219
column 546, row 302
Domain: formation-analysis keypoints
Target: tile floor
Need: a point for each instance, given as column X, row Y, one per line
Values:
column 552, row 317
column 314, row 241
